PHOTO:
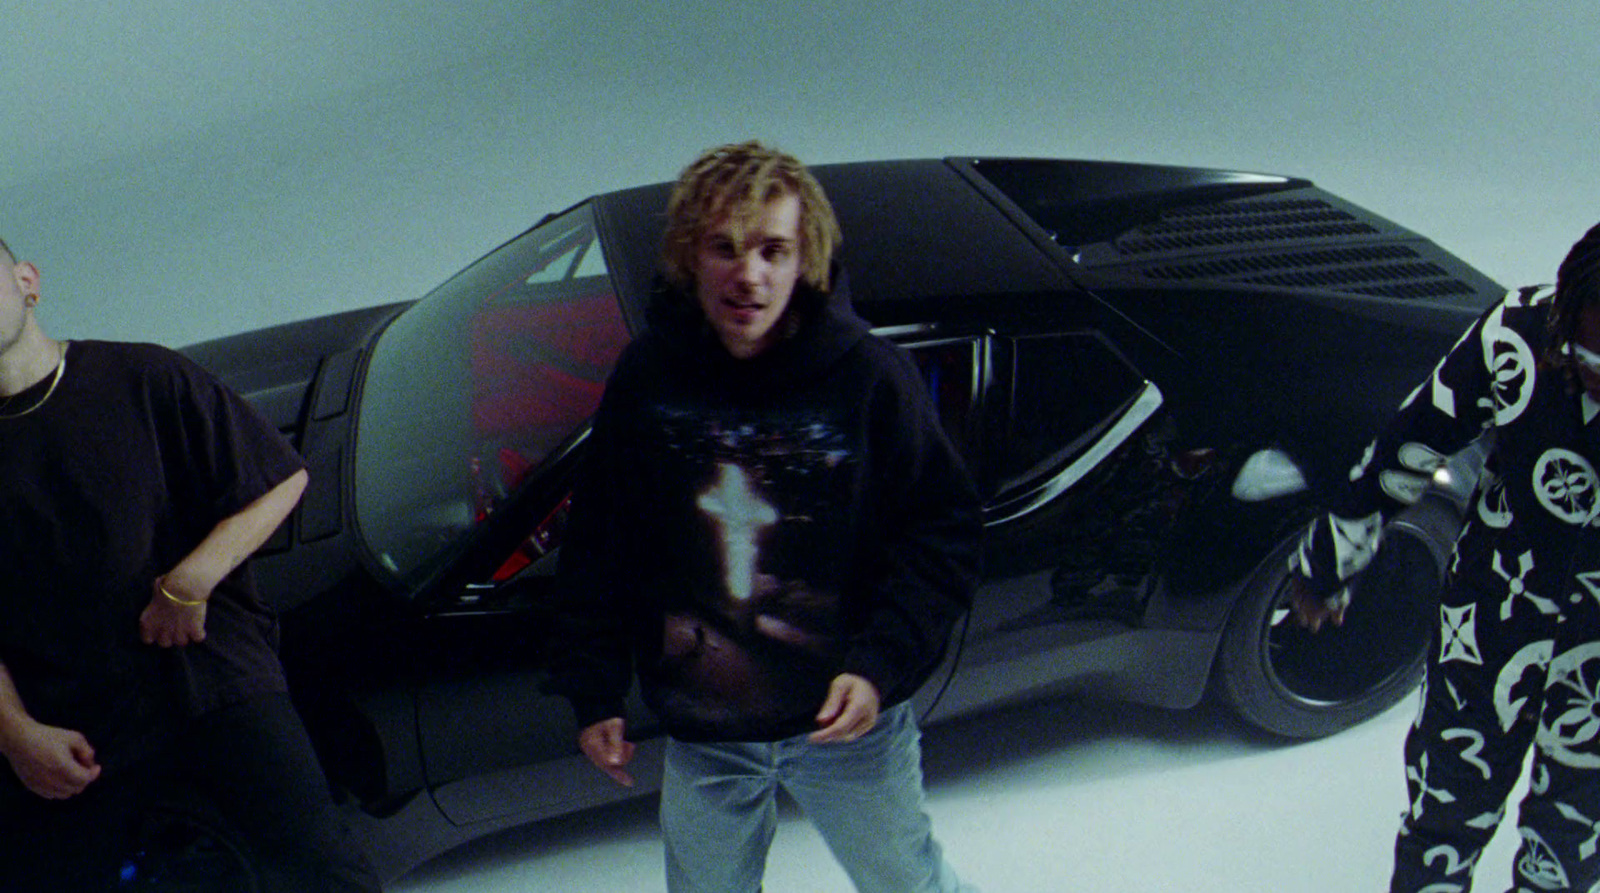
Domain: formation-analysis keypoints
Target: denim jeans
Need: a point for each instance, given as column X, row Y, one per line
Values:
column 719, row 809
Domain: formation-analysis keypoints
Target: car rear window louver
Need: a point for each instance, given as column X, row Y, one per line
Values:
column 1380, row 269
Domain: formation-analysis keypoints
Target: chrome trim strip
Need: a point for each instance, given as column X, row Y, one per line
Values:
column 905, row 331
column 1143, row 407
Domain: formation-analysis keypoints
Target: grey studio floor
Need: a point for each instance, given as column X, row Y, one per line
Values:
column 1063, row 796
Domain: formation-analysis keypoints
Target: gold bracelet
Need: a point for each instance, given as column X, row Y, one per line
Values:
column 187, row 603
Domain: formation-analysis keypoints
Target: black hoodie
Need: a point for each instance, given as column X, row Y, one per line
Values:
column 746, row 530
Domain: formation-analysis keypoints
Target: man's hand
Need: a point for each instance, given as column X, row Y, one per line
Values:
column 1311, row 611
column 175, row 619
column 850, row 710
column 606, row 745
column 52, row 762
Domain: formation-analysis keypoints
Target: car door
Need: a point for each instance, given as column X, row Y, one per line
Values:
column 475, row 407
column 1068, row 443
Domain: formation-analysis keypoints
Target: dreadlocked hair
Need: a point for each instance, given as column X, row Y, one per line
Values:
column 736, row 181
column 1577, row 287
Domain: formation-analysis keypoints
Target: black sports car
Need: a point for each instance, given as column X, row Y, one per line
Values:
column 1152, row 371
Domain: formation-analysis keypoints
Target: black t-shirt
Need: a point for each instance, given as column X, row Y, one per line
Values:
column 133, row 459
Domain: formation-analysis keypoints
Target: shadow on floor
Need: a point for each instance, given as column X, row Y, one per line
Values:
column 1067, row 740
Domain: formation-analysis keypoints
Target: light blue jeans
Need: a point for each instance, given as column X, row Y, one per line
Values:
column 719, row 809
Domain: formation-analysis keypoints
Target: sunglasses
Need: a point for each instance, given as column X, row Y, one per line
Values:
column 1586, row 358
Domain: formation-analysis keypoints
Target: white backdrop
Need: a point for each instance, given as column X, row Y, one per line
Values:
column 181, row 170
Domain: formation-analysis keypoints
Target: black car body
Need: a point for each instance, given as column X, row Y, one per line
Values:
column 1153, row 373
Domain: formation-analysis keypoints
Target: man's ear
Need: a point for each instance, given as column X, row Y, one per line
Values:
column 27, row 276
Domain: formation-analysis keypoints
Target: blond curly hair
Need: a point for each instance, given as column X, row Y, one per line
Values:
column 736, row 181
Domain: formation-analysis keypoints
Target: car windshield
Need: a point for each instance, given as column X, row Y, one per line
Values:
column 471, row 388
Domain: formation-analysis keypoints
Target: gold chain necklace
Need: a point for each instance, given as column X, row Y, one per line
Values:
column 61, row 366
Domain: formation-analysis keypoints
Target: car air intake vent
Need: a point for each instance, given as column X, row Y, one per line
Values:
column 1283, row 242
column 1392, row 271
column 1236, row 224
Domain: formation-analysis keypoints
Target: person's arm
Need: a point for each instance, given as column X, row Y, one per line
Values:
column 177, row 611
column 591, row 656
column 52, row 762
column 1461, row 399
column 930, row 560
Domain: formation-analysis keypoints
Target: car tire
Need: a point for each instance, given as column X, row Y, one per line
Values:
column 1294, row 683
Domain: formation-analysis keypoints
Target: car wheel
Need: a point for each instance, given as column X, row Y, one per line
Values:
column 1292, row 682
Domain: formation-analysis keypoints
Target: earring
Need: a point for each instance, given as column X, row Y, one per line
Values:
column 32, row 300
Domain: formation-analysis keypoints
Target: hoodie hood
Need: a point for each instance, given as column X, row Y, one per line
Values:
column 825, row 328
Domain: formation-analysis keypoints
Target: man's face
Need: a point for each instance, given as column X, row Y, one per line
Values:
column 1588, row 338
column 745, row 276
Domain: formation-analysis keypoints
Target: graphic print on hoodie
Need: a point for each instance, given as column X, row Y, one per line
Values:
column 752, row 634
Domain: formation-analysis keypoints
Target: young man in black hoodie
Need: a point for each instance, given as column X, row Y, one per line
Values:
column 775, row 534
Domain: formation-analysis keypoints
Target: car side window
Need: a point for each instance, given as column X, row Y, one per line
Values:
column 1065, row 390
column 952, row 371
column 471, row 389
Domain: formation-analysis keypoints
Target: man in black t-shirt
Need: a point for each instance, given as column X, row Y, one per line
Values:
column 134, row 651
